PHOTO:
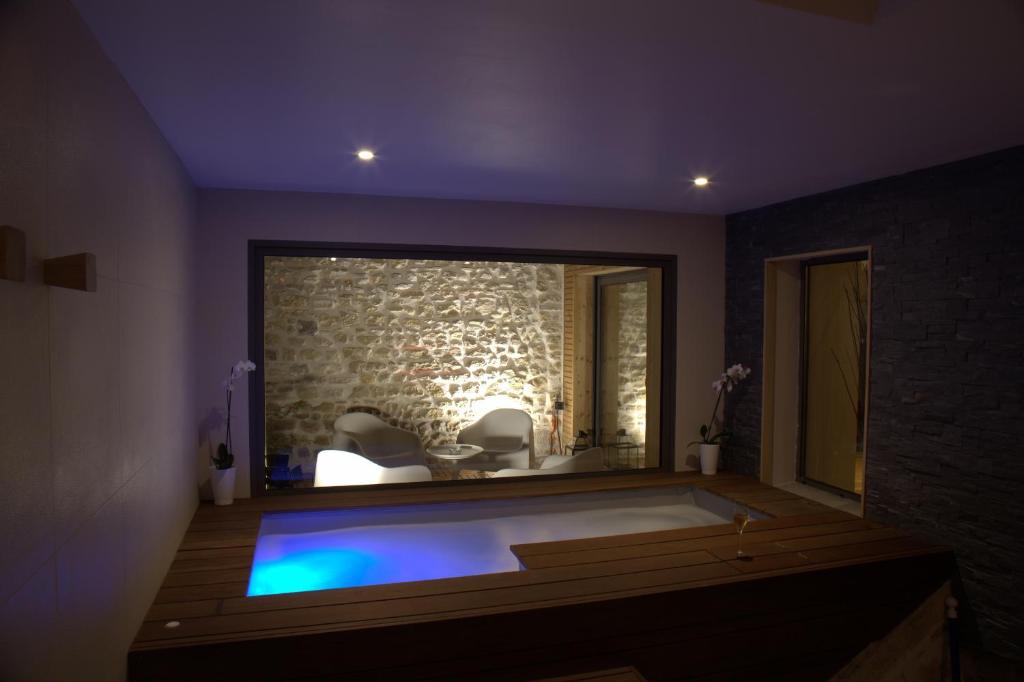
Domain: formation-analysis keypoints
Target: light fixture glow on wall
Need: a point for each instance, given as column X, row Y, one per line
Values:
column 365, row 155
column 701, row 181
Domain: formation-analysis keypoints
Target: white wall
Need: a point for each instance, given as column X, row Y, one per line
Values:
column 96, row 431
column 229, row 218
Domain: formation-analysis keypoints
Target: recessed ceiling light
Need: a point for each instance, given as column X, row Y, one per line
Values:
column 365, row 155
column 701, row 181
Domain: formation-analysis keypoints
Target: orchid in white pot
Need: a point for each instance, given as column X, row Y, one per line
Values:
column 710, row 440
column 222, row 464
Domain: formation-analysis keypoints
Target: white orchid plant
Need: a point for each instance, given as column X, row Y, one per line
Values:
column 225, row 458
column 724, row 384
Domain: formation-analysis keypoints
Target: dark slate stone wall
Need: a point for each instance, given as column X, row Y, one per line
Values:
column 945, row 428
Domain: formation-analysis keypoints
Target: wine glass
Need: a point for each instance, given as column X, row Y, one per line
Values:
column 740, row 518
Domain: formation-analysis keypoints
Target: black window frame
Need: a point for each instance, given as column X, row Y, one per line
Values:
column 258, row 250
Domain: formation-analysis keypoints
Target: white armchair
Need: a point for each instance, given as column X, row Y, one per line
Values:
column 378, row 441
column 337, row 467
column 588, row 460
column 506, row 436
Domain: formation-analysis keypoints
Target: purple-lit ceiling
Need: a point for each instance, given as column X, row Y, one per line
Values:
column 591, row 102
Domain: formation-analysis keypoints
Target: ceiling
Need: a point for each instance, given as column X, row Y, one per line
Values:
column 590, row 102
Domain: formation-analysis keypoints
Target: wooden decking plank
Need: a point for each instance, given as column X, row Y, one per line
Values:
column 476, row 491
column 869, row 549
column 216, row 539
column 201, row 592
column 725, row 480
column 207, row 577
column 179, row 610
column 750, row 487
column 716, row 637
column 241, row 522
column 738, row 487
column 205, row 586
column 239, row 513
column 213, row 563
column 727, row 538
column 790, row 507
column 446, row 587
column 249, row 522
column 253, row 630
column 479, row 601
column 759, row 495
column 821, row 557
column 628, row 674
column 489, row 581
column 212, row 553
column 558, row 546
column 758, row 547
column 334, row 626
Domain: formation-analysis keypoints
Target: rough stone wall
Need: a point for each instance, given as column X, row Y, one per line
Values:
column 633, row 360
column 431, row 344
column 945, row 423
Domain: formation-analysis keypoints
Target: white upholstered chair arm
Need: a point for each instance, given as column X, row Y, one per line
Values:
column 506, row 473
column 412, row 473
column 338, row 467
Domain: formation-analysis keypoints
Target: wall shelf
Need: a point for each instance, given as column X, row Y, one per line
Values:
column 12, row 253
column 77, row 271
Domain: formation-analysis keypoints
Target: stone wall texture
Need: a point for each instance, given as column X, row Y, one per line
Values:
column 431, row 344
column 632, row 349
column 945, row 426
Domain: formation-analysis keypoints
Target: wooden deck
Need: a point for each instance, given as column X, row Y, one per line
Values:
column 675, row 604
column 629, row 674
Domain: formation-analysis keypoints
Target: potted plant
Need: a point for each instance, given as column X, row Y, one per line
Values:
column 222, row 464
column 711, row 440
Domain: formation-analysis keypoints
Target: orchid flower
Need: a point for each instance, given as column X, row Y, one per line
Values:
column 241, row 367
column 225, row 458
column 728, row 380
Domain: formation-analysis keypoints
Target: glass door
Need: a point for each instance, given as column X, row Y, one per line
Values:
column 834, row 395
column 621, row 367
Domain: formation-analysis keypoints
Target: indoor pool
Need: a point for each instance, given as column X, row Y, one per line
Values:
column 303, row 551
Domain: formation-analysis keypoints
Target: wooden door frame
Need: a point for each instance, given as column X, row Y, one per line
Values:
column 768, row 355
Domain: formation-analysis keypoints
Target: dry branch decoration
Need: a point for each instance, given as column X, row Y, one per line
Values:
column 852, row 361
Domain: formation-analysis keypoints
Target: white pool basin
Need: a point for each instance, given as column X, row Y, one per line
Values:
column 303, row 551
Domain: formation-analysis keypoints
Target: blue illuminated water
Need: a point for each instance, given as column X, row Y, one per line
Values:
column 304, row 551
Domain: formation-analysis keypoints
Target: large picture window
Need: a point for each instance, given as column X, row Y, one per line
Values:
column 413, row 365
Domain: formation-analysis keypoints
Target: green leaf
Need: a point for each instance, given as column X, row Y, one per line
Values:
column 719, row 437
column 223, row 459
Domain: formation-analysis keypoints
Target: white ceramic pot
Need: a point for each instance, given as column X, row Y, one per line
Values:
column 709, row 458
column 223, row 483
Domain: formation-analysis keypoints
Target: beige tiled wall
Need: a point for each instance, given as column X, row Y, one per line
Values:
column 97, row 455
